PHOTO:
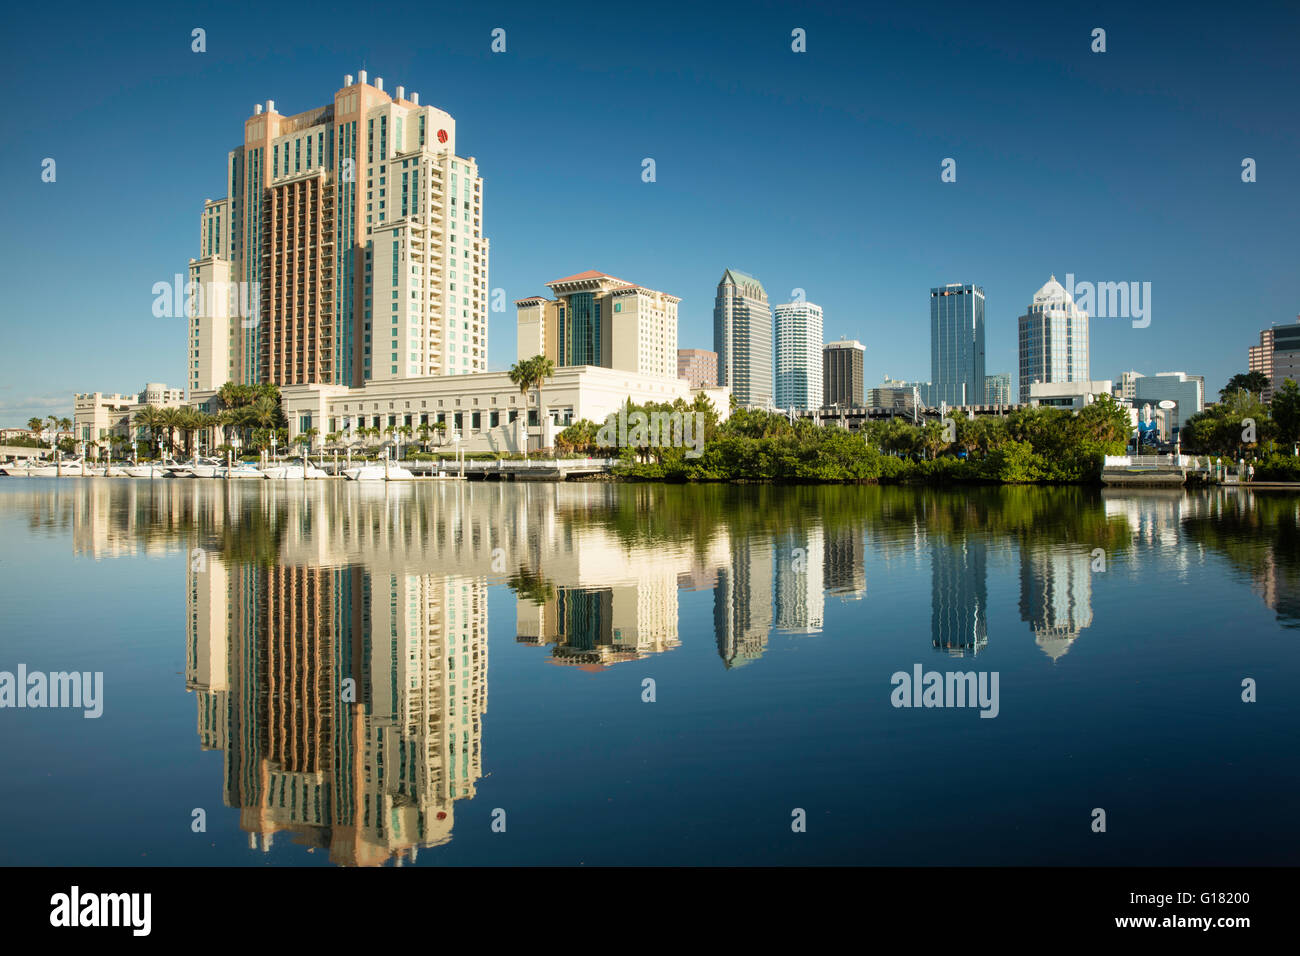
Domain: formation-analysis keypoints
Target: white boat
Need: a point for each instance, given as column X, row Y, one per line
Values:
column 196, row 468
column 294, row 469
column 378, row 471
column 67, row 468
column 16, row 469
column 238, row 470
column 155, row 470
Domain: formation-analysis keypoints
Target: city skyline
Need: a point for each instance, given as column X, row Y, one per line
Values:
column 1189, row 143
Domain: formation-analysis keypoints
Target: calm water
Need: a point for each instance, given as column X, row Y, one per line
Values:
column 338, row 674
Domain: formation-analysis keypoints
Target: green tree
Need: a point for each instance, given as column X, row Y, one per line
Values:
column 1285, row 411
column 1253, row 382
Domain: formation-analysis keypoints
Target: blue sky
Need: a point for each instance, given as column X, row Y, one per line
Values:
column 816, row 170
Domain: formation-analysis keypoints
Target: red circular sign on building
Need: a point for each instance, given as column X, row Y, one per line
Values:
column 442, row 136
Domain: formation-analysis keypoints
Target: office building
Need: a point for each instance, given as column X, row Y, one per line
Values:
column 1071, row 395
column 1277, row 356
column 997, row 389
column 1127, row 389
column 1187, row 392
column 798, row 355
column 742, row 337
column 1053, row 339
column 957, row 344
column 596, row 319
column 351, row 247
column 842, row 373
column 698, row 366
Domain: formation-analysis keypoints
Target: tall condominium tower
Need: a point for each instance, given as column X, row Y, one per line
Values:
column 1277, row 356
column 742, row 337
column 352, row 244
column 596, row 319
column 798, row 355
column 842, row 373
column 1053, row 339
column 957, row 344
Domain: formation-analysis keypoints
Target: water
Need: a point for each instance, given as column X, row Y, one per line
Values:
column 455, row 673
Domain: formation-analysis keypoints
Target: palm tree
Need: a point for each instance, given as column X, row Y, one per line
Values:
column 189, row 421
column 36, row 424
column 150, row 417
column 307, row 438
column 531, row 373
column 173, row 419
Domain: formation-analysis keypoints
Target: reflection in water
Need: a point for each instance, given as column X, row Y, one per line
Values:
column 337, row 636
column 1055, row 596
column 347, row 703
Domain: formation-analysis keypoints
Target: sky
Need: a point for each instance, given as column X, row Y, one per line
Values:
column 817, row 170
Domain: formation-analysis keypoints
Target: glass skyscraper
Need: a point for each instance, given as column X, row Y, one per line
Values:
column 1053, row 339
column 742, row 337
column 957, row 344
column 798, row 356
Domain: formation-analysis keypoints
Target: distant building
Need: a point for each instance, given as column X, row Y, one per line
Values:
column 1186, row 391
column 596, row 319
column 1127, row 389
column 1071, row 395
column 1277, row 356
column 842, row 373
column 997, row 389
column 98, row 416
column 898, row 396
column 742, row 337
column 957, row 344
column 1053, row 339
column 798, row 355
column 698, row 366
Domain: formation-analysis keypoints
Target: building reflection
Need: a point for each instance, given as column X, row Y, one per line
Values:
column 959, row 594
column 347, row 703
column 1055, row 596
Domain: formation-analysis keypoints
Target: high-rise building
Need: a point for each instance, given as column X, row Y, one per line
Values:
column 997, row 389
column 698, row 366
column 1186, row 391
column 1277, row 356
column 352, row 238
column 798, row 355
column 1128, row 386
column 957, row 344
column 1053, row 339
column 596, row 319
column 842, row 373
column 742, row 337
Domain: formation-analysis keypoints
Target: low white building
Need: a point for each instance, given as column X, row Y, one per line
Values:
column 97, row 416
column 486, row 410
column 1071, row 395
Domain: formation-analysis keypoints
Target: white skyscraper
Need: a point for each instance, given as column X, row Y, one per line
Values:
column 1053, row 339
column 798, row 355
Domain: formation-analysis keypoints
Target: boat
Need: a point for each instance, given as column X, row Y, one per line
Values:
column 378, row 471
column 293, row 469
column 16, row 469
column 67, row 468
column 149, row 470
column 238, row 470
column 197, row 467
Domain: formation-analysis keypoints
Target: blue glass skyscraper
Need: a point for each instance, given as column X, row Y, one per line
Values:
column 957, row 344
